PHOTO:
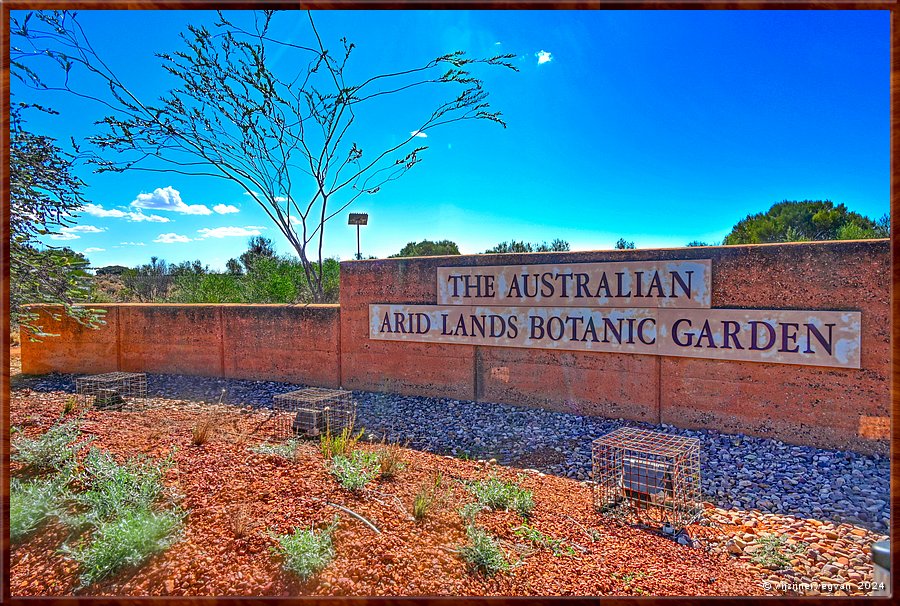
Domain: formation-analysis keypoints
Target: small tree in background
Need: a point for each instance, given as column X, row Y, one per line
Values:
column 514, row 246
column 44, row 195
column 272, row 133
column 428, row 248
column 624, row 244
column 697, row 243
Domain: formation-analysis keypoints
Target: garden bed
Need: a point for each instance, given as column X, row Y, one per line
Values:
column 563, row 547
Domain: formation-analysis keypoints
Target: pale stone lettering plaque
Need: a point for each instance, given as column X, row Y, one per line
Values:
column 677, row 284
column 814, row 338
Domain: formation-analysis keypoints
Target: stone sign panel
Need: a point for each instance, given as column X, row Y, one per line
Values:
column 816, row 338
column 678, row 284
column 648, row 307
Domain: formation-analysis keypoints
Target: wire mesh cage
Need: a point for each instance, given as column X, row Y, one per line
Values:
column 654, row 477
column 312, row 411
column 111, row 390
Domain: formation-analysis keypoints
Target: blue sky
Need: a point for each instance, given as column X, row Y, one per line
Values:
column 660, row 127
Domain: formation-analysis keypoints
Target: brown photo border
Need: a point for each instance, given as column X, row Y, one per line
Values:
column 9, row 5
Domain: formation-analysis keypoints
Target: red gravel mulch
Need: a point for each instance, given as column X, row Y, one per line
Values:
column 408, row 558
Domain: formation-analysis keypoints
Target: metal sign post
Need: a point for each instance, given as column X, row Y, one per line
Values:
column 358, row 219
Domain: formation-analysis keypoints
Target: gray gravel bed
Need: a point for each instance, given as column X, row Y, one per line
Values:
column 737, row 471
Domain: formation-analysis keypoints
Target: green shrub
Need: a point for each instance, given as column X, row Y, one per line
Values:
column 356, row 470
column 483, row 553
column 126, row 541
column 111, row 489
column 32, row 503
column 496, row 494
column 55, row 450
column 306, row 552
column 286, row 450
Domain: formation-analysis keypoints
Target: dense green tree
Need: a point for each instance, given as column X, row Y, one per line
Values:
column 697, row 243
column 110, row 270
column 428, row 248
column 514, row 246
column 806, row 220
column 257, row 246
column 624, row 244
column 44, row 196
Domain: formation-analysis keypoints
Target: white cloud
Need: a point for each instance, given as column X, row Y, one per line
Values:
column 140, row 216
column 71, row 233
column 543, row 57
column 171, row 238
column 132, row 244
column 224, row 209
column 98, row 211
column 295, row 220
column 90, row 250
column 418, row 133
column 227, row 232
column 168, row 198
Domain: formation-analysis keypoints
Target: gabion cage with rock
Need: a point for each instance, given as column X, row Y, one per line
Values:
column 111, row 389
column 653, row 476
column 312, row 411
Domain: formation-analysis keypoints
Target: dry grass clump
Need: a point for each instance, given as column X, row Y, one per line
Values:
column 426, row 497
column 240, row 521
column 389, row 459
column 203, row 431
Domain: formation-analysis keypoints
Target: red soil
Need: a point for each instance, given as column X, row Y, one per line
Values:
column 408, row 558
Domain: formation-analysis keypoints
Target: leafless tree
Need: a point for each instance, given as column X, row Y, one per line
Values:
column 232, row 116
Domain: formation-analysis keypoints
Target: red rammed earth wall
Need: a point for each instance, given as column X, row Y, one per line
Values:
column 826, row 407
column 292, row 343
column 328, row 345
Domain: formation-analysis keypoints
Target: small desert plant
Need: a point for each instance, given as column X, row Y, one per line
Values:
column 774, row 552
column 342, row 444
column 356, row 470
column 389, row 460
column 426, row 496
column 241, row 521
column 203, row 431
column 125, row 542
column 55, row 450
column 468, row 511
column 32, row 503
column 483, row 553
column 539, row 539
column 70, row 405
column 496, row 494
column 112, row 489
column 306, row 552
column 286, row 449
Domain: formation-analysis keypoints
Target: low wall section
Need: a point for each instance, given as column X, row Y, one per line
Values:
column 329, row 345
column 830, row 407
column 297, row 344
